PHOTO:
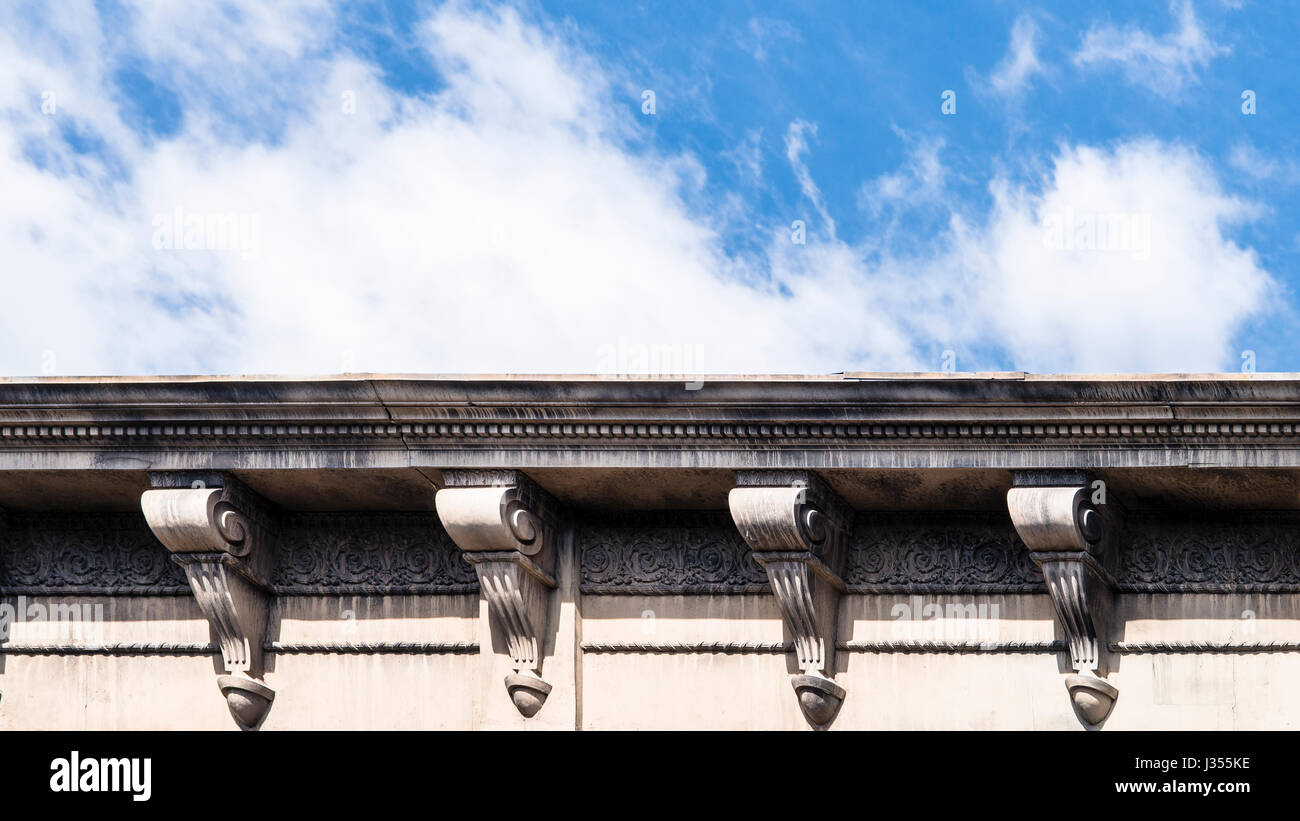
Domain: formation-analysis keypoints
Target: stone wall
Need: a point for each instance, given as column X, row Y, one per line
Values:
column 846, row 551
column 659, row 620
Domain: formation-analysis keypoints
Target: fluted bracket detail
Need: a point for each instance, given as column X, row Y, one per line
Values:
column 234, row 600
column 507, row 527
column 516, row 592
column 797, row 528
column 222, row 536
column 1066, row 535
column 807, row 591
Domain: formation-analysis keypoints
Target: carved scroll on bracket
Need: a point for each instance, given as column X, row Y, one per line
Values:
column 506, row 525
column 220, row 532
column 797, row 529
column 1066, row 535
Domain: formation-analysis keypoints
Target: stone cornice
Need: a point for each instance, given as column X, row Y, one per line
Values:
column 734, row 424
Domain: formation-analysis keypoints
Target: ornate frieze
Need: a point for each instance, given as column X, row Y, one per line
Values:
column 939, row 552
column 1253, row 552
column 668, row 553
column 116, row 554
column 688, row 647
column 85, row 554
column 930, row 552
column 421, row 648
column 657, row 553
column 369, row 553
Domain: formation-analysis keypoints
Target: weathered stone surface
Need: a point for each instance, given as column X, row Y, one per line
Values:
column 85, row 554
column 797, row 529
column 370, row 553
column 224, row 538
column 674, row 552
column 833, row 422
column 939, row 552
column 508, row 528
column 893, row 572
column 658, row 553
column 1067, row 534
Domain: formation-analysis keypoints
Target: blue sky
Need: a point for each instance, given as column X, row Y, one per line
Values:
column 463, row 187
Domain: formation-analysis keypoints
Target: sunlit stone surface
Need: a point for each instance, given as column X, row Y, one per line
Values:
column 852, row 551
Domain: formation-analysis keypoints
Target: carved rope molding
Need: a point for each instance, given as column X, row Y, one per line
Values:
column 665, row 648
column 1064, row 534
column 882, row 647
column 223, row 537
column 797, row 529
column 688, row 647
column 507, row 527
column 420, row 648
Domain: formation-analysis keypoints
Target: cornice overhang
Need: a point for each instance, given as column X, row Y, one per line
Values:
column 842, row 421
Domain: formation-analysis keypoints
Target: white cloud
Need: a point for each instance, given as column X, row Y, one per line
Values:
column 1122, row 258
column 919, row 182
column 227, row 32
column 763, row 32
column 796, row 146
column 1020, row 63
column 1262, row 168
column 503, row 225
column 1164, row 64
column 747, row 155
column 498, row 226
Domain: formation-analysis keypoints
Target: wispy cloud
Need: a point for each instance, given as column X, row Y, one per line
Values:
column 796, row 146
column 1261, row 167
column 920, row 181
column 1164, row 64
column 1018, row 67
column 747, row 155
column 761, row 33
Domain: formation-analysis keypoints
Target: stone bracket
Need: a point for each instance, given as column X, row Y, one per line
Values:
column 1066, row 536
column 506, row 527
column 797, row 530
column 222, row 534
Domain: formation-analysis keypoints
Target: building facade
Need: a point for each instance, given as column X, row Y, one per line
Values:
column 864, row 551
